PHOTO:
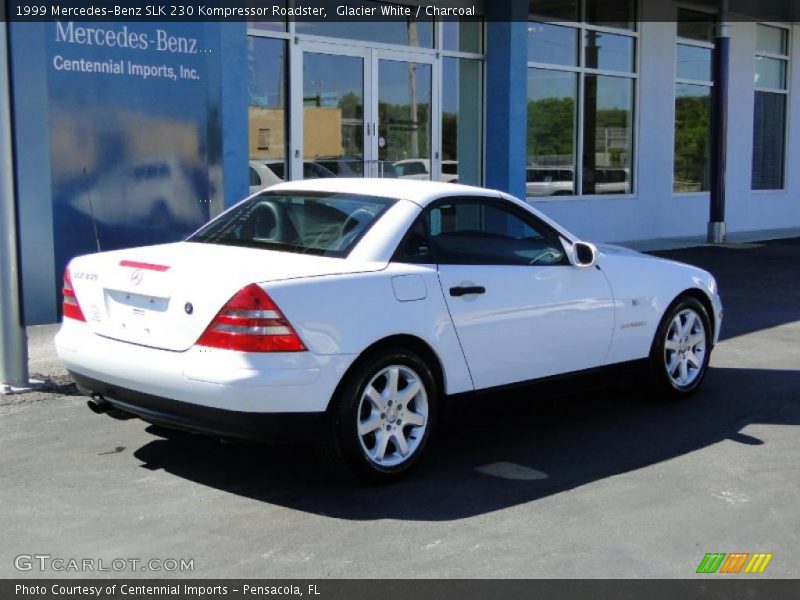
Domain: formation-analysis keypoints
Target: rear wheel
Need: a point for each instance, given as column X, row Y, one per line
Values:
column 381, row 417
column 682, row 348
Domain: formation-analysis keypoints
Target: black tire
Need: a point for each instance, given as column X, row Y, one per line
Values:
column 340, row 446
column 665, row 383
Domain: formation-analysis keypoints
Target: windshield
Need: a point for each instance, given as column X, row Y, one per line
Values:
column 325, row 224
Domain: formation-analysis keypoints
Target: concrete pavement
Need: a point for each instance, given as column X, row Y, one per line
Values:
column 595, row 481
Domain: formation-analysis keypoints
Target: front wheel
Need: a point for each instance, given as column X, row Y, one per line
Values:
column 682, row 348
column 381, row 418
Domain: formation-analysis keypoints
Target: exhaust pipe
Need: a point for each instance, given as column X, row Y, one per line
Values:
column 98, row 405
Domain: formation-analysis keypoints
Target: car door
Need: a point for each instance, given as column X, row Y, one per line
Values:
column 520, row 309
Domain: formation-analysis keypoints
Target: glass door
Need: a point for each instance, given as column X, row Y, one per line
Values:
column 334, row 112
column 403, row 88
column 365, row 113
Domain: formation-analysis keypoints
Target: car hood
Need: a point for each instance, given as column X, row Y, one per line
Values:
column 620, row 251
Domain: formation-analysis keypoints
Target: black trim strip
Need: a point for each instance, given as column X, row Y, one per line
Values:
column 174, row 414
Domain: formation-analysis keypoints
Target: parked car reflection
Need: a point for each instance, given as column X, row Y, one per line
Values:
column 559, row 181
column 606, row 180
column 549, row 181
column 420, row 168
column 353, row 166
column 264, row 173
column 159, row 190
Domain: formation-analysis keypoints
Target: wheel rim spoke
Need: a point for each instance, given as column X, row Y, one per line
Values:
column 683, row 375
column 381, row 442
column 392, row 381
column 414, row 419
column 411, row 390
column 370, row 425
column 697, row 338
column 672, row 365
column 689, row 324
column 375, row 397
column 400, row 442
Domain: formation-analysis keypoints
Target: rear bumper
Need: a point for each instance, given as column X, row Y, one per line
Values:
column 232, row 382
column 264, row 427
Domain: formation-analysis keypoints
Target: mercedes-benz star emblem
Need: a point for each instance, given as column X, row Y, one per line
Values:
column 137, row 276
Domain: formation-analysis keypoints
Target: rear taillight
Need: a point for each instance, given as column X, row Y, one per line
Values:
column 70, row 308
column 251, row 322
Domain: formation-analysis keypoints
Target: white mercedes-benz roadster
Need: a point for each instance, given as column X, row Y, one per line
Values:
column 344, row 311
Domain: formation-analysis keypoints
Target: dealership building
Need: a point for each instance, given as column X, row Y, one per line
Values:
column 599, row 112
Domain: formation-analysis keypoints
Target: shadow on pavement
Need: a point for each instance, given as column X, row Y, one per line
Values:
column 574, row 440
column 568, row 437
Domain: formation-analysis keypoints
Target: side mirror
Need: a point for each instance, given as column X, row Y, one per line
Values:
column 583, row 254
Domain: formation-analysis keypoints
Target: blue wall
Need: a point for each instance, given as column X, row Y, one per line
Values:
column 506, row 96
column 119, row 138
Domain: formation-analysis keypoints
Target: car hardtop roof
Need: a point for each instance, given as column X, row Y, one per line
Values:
column 419, row 192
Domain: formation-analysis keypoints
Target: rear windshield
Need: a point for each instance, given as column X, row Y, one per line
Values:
column 324, row 224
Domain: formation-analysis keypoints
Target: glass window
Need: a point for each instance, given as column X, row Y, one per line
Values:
column 607, row 134
column 552, row 127
column 333, row 112
column 554, row 10
column 277, row 25
column 611, row 13
column 696, row 25
column 693, row 62
column 405, row 168
column 563, row 59
column 772, row 40
column 770, row 73
column 462, row 35
column 769, row 108
column 608, row 52
column 462, row 111
column 693, row 89
column 404, row 112
column 608, row 13
column 769, row 126
column 552, row 44
column 262, row 24
column 404, row 32
column 267, row 102
column 308, row 223
column 477, row 232
column 692, row 135
column 312, row 170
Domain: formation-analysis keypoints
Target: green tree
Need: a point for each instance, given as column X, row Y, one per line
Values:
column 551, row 126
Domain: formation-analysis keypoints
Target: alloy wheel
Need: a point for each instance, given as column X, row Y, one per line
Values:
column 392, row 415
column 685, row 348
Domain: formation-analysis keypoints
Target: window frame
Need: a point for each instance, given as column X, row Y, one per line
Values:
column 495, row 202
column 684, row 41
column 787, row 58
column 437, row 54
column 582, row 71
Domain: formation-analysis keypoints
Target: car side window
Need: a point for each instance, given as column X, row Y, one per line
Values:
column 476, row 231
column 415, row 247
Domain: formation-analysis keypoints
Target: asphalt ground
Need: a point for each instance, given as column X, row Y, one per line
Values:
column 588, row 480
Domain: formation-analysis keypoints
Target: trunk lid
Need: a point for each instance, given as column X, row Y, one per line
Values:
column 165, row 296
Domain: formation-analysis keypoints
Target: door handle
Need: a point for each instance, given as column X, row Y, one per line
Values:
column 464, row 291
